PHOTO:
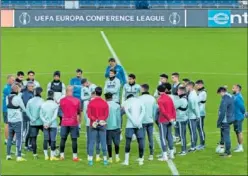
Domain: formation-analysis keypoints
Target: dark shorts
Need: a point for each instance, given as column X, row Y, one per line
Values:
column 34, row 130
column 238, row 126
column 138, row 132
column 50, row 133
column 113, row 135
column 5, row 117
column 73, row 130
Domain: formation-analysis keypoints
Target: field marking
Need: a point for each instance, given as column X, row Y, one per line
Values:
column 147, row 73
column 170, row 163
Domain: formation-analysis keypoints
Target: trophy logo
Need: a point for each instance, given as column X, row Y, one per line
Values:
column 174, row 18
column 24, row 18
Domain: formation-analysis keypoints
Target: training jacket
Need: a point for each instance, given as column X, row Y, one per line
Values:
column 87, row 91
column 181, row 105
column 166, row 107
column 15, row 110
column 71, row 108
column 76, row 83
column 33, row 110
column 113, row 86
column 151, row 107
column 120, row 74
column 239, row 107
column 202, row 98
column 58, row 88
column 6, row 93
column 36, row 83
column 97, row 110
column 130, row 89
column 193, row 106
column 49, row 112
column 226, row 110
column 135, row 111
column 114, row 118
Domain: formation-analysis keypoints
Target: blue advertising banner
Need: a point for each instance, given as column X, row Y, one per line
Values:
column 219, row 18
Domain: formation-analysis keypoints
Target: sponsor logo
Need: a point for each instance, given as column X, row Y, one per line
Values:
column 174, row 18
column 24, row 18
column 219, row 18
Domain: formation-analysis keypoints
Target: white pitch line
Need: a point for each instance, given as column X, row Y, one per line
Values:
column 170, row 163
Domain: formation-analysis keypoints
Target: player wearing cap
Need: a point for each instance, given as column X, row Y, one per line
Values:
column 15, row 106
column 58, row 87
column 163, row 79
column 71, row 109
column 225, row 119
column 120, row 73
column 31, row 77
column 33, row 112
column 48, row 115
column 113, row 86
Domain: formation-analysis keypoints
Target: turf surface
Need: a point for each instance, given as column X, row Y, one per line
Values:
column 218, row 56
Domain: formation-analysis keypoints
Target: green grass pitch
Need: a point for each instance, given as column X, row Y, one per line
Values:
column 218, row 56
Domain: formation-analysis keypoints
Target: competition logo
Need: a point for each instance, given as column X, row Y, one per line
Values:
column 174, row 18
column 24, row 18
column 219, row 18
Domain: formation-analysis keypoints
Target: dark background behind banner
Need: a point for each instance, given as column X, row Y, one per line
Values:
column 133, row 18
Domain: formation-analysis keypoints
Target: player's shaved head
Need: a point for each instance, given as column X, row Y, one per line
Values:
column 69, row 90
column 16, row 87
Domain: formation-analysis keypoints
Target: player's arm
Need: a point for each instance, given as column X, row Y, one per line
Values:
column 155, row 109
column 107, row 72
column 21, row 104
column 79, row 112
column 89, row 112
column 123, row 94
column 63, row 90
column 55, row 114
column 28, row 109
column 142, row 113
column 48, row 87
column 105, row 90
column 123, row 77
column 222, row 112
column 118, row 116
column 43, row 115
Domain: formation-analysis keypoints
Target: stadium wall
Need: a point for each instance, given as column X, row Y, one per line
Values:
column 125, row 18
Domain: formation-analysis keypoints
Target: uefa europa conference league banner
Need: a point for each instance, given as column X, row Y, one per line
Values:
column 131, row 18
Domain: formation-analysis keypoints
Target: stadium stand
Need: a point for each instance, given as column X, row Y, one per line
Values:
column 120, row 4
